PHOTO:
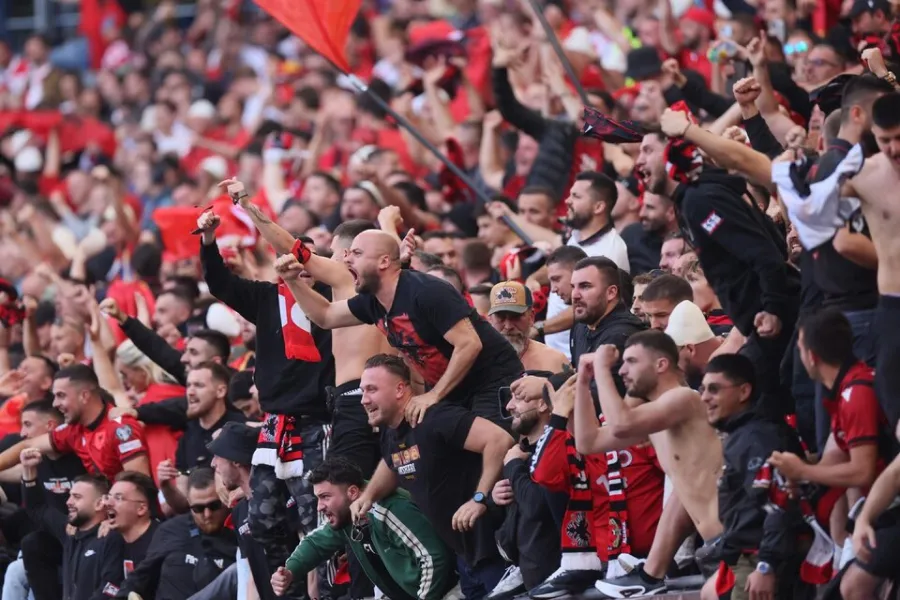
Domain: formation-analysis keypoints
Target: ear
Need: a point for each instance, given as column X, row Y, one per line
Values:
column 353, row 492
column 612, row 292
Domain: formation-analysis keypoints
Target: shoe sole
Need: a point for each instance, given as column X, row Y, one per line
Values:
column 614, row 591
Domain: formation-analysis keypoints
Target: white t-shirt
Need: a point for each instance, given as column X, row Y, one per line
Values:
column 612, row 246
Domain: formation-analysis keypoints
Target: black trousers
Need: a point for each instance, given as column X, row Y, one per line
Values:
column 42, row 555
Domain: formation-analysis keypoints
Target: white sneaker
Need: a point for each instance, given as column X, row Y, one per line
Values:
column 454, row 594
column 628, row 562
column 509, row 586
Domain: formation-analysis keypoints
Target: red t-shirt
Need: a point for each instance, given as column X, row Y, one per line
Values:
column 856, row 417
column 104, row 445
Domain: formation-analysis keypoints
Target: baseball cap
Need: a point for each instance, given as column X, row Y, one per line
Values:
column 510, row 296
column 860, row 7
column 687, row 325
column 236, row 442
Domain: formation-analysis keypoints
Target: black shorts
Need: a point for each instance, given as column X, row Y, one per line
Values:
column 485, row 401
column 351, row 435
column 883, row 562
column 887, row 365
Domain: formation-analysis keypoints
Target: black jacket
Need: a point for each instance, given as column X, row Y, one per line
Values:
column 287, row 387
column 181, row 561
column 529, row 536
column 90, row 564
column 742, row 253
column 744, row 491
column 556, row 139
column 615, row 328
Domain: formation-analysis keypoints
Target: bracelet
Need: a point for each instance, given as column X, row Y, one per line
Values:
column 28, row 482
column 239, row 197
column 890, row 78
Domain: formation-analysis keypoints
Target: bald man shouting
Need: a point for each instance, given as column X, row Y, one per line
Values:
column 462, row 359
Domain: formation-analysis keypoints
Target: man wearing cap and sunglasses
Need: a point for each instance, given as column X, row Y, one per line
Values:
column 512, row 315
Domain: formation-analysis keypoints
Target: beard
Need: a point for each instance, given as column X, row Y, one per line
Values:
column 590, row 315
column 341, row 518
column 517, row 341
column 368, row 283
column 642, row 386
column 526, row 423
column 79, row 518
column 656, row 184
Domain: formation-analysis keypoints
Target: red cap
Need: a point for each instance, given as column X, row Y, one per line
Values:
column 701, row 16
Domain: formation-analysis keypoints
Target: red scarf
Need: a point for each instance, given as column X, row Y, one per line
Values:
column 296, row 328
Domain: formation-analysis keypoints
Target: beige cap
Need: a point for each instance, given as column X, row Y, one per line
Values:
column 687, row 325
column 202, row 109
column 216, row 166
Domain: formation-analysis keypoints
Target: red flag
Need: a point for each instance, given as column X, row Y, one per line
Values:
column 322, row 24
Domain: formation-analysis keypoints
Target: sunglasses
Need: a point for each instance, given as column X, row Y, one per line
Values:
column 211, row 507
column 796, row 48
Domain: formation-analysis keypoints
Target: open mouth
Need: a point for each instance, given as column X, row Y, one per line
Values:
column 354, row 274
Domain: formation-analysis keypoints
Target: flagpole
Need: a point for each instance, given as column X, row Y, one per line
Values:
column 557, row 48
column 403, row 122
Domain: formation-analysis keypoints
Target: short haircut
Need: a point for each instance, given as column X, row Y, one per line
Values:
column 886, row 111
column 439, row 234
column 216, row 339
column 668, row 287
column 832, row 125
column 608, row 269
column 828, row 335
column 348, row 230
column 181, row 293
column 693, row 270
column 337, row 470
column 655, row 340
column 737, row 368
column 98, row 482
column 219, row 372
column 201, row 478
column 50, row 365
column 482, row 289
column 602, row 186
column 642, row 279
column 143, row 483
column 449, row 273
column 428, row 260
column 542, row 191
column 82, row 374
column 476, row 255
column 46, row 408
column 566, row 255
column 862, row 89
column 392, row 364
column 329, row 180
column 482, row 211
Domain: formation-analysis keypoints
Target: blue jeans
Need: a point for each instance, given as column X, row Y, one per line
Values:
column 72, row 55
column 865, row 345
column 477, row 582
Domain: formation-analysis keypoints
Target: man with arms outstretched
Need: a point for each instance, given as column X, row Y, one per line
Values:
column 462, row 359
column 672, row 415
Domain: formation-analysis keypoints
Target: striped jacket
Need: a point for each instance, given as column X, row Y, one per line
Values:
column 415, row 563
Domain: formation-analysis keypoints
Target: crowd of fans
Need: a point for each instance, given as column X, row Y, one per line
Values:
column 257, row 341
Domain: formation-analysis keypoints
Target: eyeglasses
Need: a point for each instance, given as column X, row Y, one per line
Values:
column 796, row 48
column 213, row 506
column 715, row 388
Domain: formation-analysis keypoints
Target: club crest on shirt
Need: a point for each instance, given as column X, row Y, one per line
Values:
column 711, row 223
column 123, row 433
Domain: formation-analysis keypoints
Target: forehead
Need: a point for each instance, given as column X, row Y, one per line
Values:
column 533, row 199
column 636, row 351
column 82, row 488
column 651, row 143
column 674, row 243
column 377, row 375
column 199, row 375
column 207, row 494
column 32, row 364
column 587, row 274
column 822, row 52
column 356, row 195
column 438, row 242
column 714, row 378
column 122, row 487
column 325, row 487
column 662, row 304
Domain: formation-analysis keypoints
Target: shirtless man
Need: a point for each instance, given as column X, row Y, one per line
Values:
column 512, row 314
column 879, row 174
column 660, row 407
column 351, row 435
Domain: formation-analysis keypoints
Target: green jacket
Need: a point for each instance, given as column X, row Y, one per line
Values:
column 417, row 565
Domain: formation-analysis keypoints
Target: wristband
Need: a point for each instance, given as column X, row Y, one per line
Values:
column 301, row 252
column 239, row 197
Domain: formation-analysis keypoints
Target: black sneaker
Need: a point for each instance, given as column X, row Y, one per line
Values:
column 636, row 583
column 565, row 583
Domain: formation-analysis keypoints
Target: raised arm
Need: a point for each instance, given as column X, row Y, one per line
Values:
column 325, row 314
column 590, row 436
column 633, row 421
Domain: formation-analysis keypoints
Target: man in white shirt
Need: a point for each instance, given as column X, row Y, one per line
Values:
column 591, row 200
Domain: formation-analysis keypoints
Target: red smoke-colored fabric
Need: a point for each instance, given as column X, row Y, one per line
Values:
column 123, row 293
column 322, row 24
column 683, row 160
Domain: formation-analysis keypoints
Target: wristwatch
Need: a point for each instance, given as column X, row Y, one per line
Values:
column 763, row 567
column 479, row 497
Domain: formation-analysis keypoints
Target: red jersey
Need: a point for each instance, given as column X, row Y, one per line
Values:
column 856, row 416
column 104, row 445
column 644, row 487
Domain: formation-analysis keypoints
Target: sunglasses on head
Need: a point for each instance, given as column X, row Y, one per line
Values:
column 211, row 506
column 796, row 47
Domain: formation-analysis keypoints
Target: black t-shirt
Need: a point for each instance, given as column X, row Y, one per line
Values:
column 433, row 466
column 644, row 248
column 192, row 452
column 57, row 476
column 425, row 308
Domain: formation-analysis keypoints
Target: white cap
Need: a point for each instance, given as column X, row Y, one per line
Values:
column 687, row 325
column 215, row 166
column 29, row 160
column 220, row 318
column 579, row 40
column 373, row 191
column 148, row 119
column 202, row 109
